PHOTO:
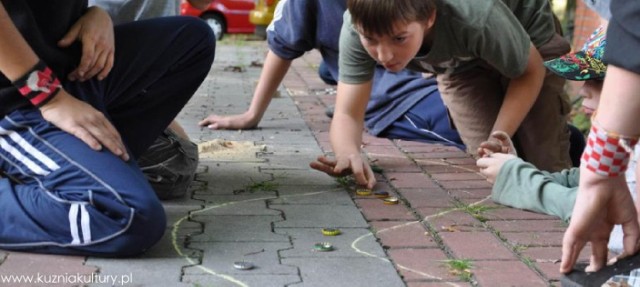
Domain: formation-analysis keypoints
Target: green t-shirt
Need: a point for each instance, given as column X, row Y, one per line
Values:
column 497, row 32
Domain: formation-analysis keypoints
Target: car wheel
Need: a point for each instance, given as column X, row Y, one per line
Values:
column 216, row 22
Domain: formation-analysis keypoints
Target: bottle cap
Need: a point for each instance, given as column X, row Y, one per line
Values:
column 331, row 231
column 323, row 247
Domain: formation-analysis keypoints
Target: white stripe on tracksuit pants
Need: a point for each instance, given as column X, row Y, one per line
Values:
column 59, row 200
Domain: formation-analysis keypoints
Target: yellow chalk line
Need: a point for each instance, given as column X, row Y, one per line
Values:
column 176, row 226
column 356, row 249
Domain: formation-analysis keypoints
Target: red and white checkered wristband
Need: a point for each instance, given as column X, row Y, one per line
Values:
column 607, row 153
column 39, row 85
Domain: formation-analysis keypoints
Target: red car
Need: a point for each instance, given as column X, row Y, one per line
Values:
column 224, row 16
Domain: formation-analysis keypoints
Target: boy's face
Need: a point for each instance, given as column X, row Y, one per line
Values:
column 395, row 51
column 590, row 92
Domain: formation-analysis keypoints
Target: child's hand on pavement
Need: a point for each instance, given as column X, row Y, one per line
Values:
column 361, row 171
column 233, row 122
column 600, row 204
column 85, row 122
column 491, row 164
column 498, row 142
column 326, row 165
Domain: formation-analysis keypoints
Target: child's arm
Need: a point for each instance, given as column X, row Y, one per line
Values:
column 521, row 93
column 346, row 131
column 521, row 185
column 273, row 71
column 61, row 109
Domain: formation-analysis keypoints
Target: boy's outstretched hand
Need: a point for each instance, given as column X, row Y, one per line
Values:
column 498, row 142
column 332, row 168
column 233, row 122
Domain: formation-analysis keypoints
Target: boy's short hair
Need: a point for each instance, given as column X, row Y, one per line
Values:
column 585, row 64
column 377, row 17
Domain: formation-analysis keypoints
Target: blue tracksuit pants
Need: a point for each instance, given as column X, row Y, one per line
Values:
column 63, row 197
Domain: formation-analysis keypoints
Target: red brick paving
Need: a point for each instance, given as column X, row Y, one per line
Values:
column 508, row 247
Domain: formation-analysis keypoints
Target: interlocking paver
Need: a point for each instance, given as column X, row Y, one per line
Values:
column 506, row 273
column 422, row 264
column 400, row 234
column 476, row 245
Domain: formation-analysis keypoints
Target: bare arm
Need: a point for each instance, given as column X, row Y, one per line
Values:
column 346, row 131
column 16, row 56
column 521, row 94
column 604, row 201
column 273, row 71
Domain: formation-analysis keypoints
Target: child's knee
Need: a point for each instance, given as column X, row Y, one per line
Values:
column 146, row 229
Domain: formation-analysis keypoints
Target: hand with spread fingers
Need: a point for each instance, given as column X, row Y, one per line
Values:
column 95, row 31
column 498, row 142
column 363, row 174
column 240, row 121
column 600, row 204
column 85, row 122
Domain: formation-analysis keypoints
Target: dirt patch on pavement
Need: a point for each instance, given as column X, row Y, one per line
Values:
column 223, row 150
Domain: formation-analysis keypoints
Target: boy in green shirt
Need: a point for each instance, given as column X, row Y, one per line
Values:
column 519, row 184
column 487, row 56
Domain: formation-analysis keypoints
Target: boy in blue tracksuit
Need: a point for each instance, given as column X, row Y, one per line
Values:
column 403, row 105
column 79, row 101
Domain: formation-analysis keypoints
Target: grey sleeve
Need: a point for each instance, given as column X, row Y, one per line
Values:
column 521, row 185
column 502, row 42
column 355, row 66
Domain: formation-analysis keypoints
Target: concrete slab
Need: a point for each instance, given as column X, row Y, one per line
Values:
column 319, row 216
column 322, row 272
column 353, row 242
column 218, row 258
column 305, row 194
column 239, row 280
column 235, row 228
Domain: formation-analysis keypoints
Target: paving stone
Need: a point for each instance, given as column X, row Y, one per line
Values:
column 437, row 284
column 398, row 234
column 439, row 155
column 353, row 242
column 451, row 221
column 427, row 197
column 221, row 280
column 410, row 180
column 323, row 272
column 531, row 225
column 485, row 245
column 534, row 238
column 238, row 228
column 422, row 264
column 494, row 273
column 44, row 269
column 375, row 209
column 457, row 176
column 218, row 257
column 305, row 194
column 253, row 206
column 319, row 216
